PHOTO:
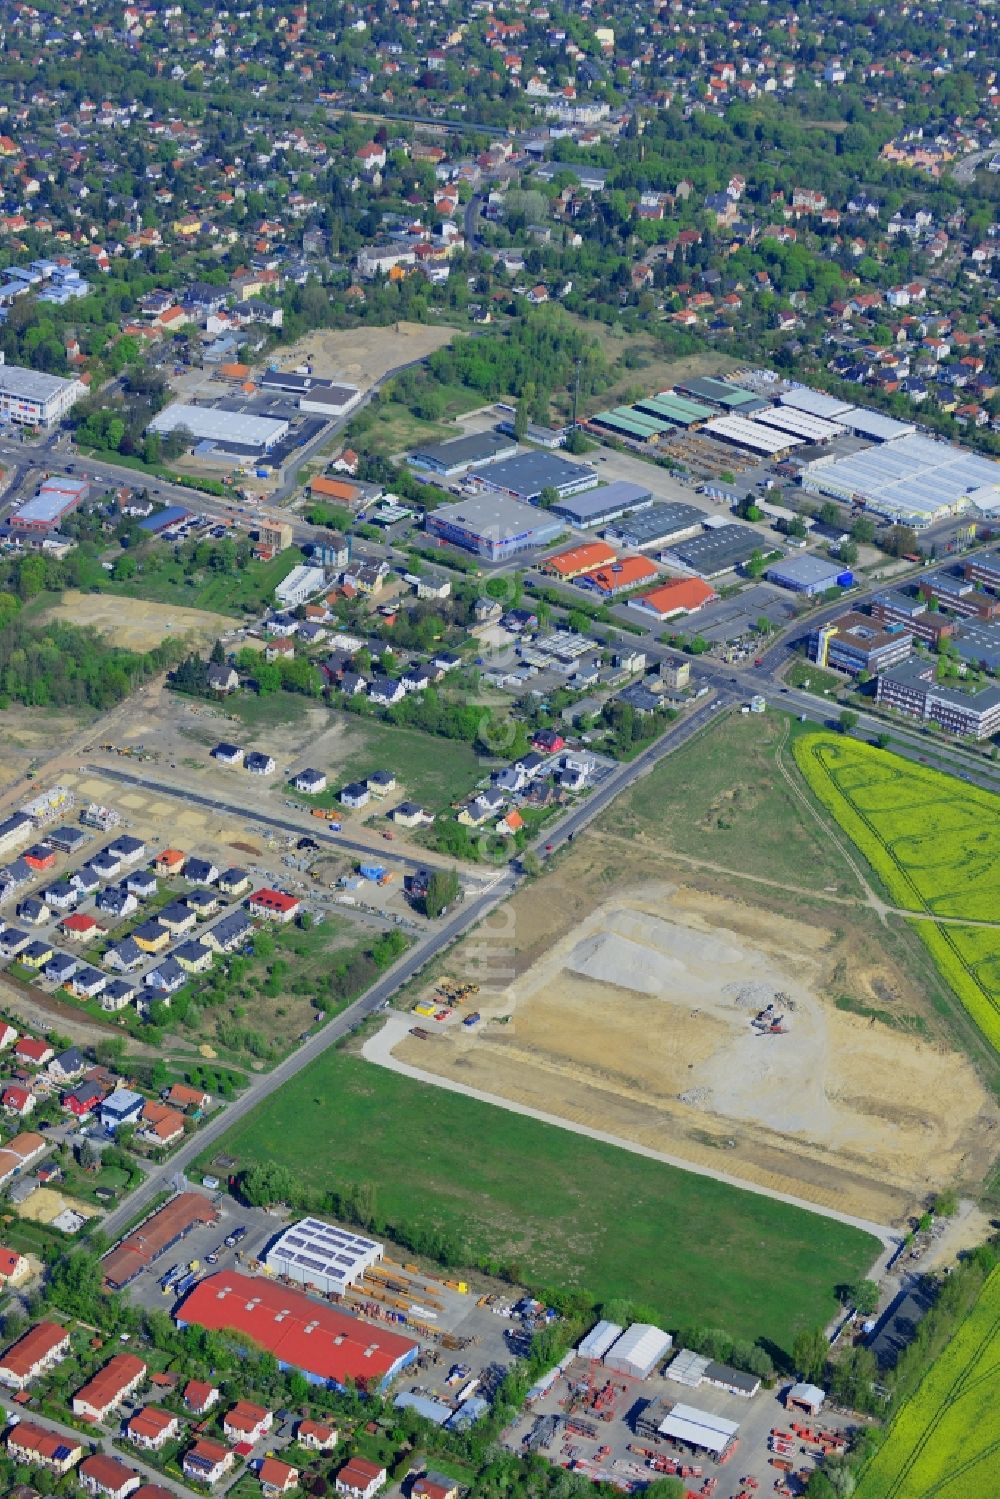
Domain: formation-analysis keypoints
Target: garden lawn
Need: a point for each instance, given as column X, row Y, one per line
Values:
column 932, row 840
column 247, row 589
column 430, row 770
column 558, row 1209
column 945, row 1441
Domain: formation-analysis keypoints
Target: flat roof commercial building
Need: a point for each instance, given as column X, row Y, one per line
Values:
column 718, row 550
column 321, row 1255
column 460, row 453
column 56, row 498
column 493, row 526
column 327, row 1346
column 912, row 479
column 233, row 431
column 856, row 642
column 658, row 525
column 526, row 476
column 31, row 399
column 910, row 688
column 809, row 575
column 605, row 504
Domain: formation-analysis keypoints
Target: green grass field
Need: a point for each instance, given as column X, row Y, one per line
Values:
column 432, row 771
column 722, row 799
column 565, row 1210
column 932, row 840
column 945, row 1442
column 222, row 593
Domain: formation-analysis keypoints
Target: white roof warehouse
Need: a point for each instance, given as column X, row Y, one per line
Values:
column 321, row 1255
column 232, row 430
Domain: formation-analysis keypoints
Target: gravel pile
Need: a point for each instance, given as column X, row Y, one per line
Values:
column 748, row 996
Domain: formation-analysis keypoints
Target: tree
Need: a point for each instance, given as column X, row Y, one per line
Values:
column 882, row 741
column 531, row 864
column 863, row 1297
column 548, row 497
column 442, row 891
column 810, row 1352
column 847, row 553
column 848, row 720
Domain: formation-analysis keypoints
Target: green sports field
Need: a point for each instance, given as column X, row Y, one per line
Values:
column 564, row 1210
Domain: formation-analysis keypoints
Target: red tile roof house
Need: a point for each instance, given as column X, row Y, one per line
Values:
column 78, row 927
column 29, row 1443
column 17, row 1100
column 101, row 1474
column 433, row 1486
column 274, row 904
column 109, row 1386
column 247, row 1422
column 34, row 1052
column 316, row 1436
column 152, row 1428
column 37, row 1350
column 207, row 1461
column 13, row 1266
column 277, row 1477
column 360, row 1479
column 200, row 1396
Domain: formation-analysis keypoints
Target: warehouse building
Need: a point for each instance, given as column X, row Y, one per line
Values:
column 913, row 479
column 493, row 526
column 809, row 575
column 856, row 642
column 744, row 433
column 910, row 688
column 232, row 431
column 675, row 409
column 580, row 559
column 718, row 392
column 526, row 476
column 31, row 399
column 658, row 526
column 679, row 596
column 56, row 498
column 625, row 421
column 154, row 1236
column 320, row 1255
column 697, row 1428
column 638, row 1351
column 604, row 504
column 329, row 1347
column 873, row 425
column 812, row 429
column 620, row 577
column 718, row 550
column 599, row 1340
column 461, row 453
column 815, row 402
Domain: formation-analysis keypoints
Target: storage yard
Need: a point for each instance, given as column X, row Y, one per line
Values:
column 708, row 1424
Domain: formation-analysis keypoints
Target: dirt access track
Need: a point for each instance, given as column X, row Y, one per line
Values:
column 361, row 356
column 137, row 624
column 631, row 1013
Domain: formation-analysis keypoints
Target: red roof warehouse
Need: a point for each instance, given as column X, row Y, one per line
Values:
column 328, row 1346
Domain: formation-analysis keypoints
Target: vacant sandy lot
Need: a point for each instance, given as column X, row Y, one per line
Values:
column 630, row 1011
column 44, row 1205
column 136, row 624
column 360, row 356
column 27, row 736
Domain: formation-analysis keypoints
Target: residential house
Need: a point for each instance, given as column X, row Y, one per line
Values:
column 105, row 1391
column 247, row 1422
column 274, row 905
column 183, row 1096
column 229, row 933
column 200, row 1396
column 259, row 764
column 228, row 754
column 360, row 1479
column 121, row 1107
column 161, row 1125
column 100, row 1474
column 32, row 1052
column 88, row 983
column 67, row 1065
column 60, row 968
column 386, row 691
column 152, row 937
column 381, row 782
column 410, row 815
column 84, row 1099
column 207, row 1462
column 36, row 955
column 222, row 679
column 15, row 1268
column 117, row 902
column 80, row 928
column 201, row 871
column 33, row 1354
column 39, row 1447
column 355, row 794
column 434, row 1486
column 204, row 902
column 310, row 782
column 17, row 1100
column 128, row 850
column 316, row 1436
column 124, row 956
column 117, row 995
column 152, row 1427
column 276, row 1477
column 234, row 881
column 165, row 979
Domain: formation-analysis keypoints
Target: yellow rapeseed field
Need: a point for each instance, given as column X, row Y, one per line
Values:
column 933, row 841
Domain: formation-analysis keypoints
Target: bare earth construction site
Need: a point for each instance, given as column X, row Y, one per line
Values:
column 635, row 1015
